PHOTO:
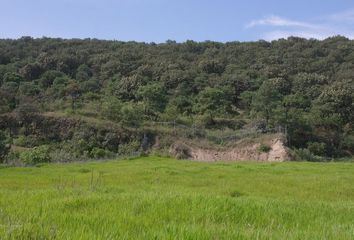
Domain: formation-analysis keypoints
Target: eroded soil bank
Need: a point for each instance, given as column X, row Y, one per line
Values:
column 245, row 150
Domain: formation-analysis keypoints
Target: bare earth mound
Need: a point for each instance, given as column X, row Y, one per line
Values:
column 246, row 150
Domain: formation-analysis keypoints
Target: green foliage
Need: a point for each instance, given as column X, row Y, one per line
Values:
column 129, row 148
column 91, row 85
column 264, row 148
column 48, row 78
column 25, row 141
column 132, row 114
column 302, row 84
column 348, row 144
column 265, row 101
column 83, row 73
column 4, row 148
column 12, row 77
column 36, row 155
column 29, row 89
column 306, row 155
column 99, row 153
column 337, row 100
column 153, row 97
column 111, row 108
column 318, row 149
column 310, row 84
column 213, row 101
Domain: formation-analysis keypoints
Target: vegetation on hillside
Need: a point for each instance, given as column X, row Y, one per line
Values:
column 306, row 86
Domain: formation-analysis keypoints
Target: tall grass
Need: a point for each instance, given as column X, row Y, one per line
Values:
column 161, row 198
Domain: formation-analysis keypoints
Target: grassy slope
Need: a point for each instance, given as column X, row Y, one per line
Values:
column 161, row 198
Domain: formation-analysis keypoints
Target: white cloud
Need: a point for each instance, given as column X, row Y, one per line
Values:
column 279, row 22
column 275, row 27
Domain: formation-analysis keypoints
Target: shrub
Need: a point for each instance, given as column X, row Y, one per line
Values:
column 36, row 155
column 180, row 151
column 348, row 144
column 99, row 153
column 318, row 149
column 26, row 141
column 4, row 148
column 204, row 121
column 132, row 114
column 264, row 148
column 12, row 158
column 128, row 148
column 61, row 154
column 306, row 155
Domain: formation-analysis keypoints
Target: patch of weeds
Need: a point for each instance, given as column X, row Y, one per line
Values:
column 172, row 173
column 39, row 165
column 264, row 148
column 235, row 194
column 238, row 166
column 84, row 170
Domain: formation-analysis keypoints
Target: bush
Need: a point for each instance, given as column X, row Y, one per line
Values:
column 36, row 155
column 224, row 123
column 12, row 158
column 348, row 144
column 204, row 121
column 61, row 154
column 4, row 148
column 100, row 153
column 129, row 148
column 132, row 114
column 26, row 141
column 264, row 148
column 306, row 155
column 318, row 149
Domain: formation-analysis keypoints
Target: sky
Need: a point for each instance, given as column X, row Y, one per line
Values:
column 180, row 20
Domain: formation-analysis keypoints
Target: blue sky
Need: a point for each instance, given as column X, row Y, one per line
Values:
column 180, row 20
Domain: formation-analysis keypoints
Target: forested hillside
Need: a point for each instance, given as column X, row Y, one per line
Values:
column 305, row 86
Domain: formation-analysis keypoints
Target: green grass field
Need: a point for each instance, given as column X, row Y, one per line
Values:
column 162, row 198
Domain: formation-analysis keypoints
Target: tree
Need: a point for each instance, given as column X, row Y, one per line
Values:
column 31, row 71
column 213, row 101
column 338, row 100
column 29, row 89
column 153, row 97
column 265, row 101
column 295, row 109
column 132, row 114
column 83, row 73
column 238, row 83
column 12, row 77
column 73, row 91
column 310, row 84
column 8, row 100
column 91, row 85
column 48, row 78
column 25, row 114
column 111, row 108
column 212, row 66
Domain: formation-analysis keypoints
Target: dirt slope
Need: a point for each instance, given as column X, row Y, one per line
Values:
column 242, row 151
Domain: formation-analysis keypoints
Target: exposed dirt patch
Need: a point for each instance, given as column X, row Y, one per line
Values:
column 242, row 151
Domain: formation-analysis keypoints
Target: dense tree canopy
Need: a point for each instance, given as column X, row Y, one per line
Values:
column 305, row 85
